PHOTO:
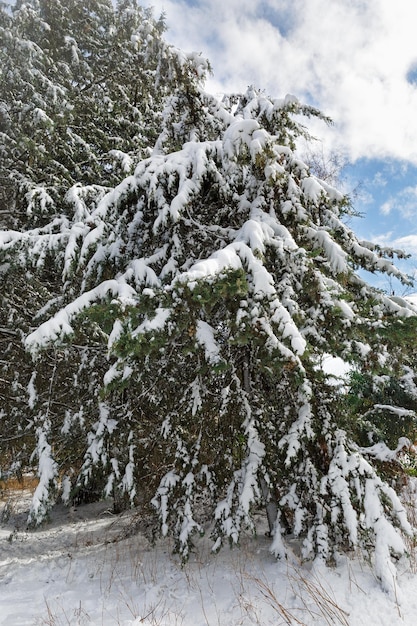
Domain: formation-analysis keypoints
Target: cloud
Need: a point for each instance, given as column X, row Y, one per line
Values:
column 386, row 208
column 354, row 59
column 404, row 202
column 407, row 244
column 379, row 180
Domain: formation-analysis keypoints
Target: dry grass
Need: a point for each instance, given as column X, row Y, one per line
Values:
column 28, row 482
column 62, row 617
column 312, row 598
column 12, row 492
column 316, row 599
column 271, row 599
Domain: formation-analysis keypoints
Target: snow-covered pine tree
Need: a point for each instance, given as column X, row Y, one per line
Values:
column 382, row 398
column 219, row 273
column 83, row 86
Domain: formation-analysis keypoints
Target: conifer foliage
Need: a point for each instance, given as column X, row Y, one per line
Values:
column 82, row 86
column 214, row 278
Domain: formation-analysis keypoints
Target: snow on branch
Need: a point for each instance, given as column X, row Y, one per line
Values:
column 205, row 336
column 60, row 325
column 387, row 538
column 42, row 499
column 244, row 135
column 336, row 256
column 156, row 323
column 301, row 427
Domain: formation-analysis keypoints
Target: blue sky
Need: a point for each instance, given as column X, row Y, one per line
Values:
column 354, row 59
column 387, row 201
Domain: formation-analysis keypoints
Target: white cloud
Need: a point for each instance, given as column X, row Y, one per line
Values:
column 379, row 180
column 349, row 57
column 404, row 203
column 407, row 243
column 386, row 208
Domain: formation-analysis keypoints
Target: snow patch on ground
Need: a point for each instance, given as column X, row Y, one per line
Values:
column 87, row 566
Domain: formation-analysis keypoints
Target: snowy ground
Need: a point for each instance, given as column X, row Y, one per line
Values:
column 86, row 567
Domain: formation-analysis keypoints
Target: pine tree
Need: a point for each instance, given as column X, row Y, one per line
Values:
column 83, row 87
column 382, row 398
column 216, row 276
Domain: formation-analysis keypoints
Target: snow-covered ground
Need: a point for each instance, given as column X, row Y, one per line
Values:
column 90, row 567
